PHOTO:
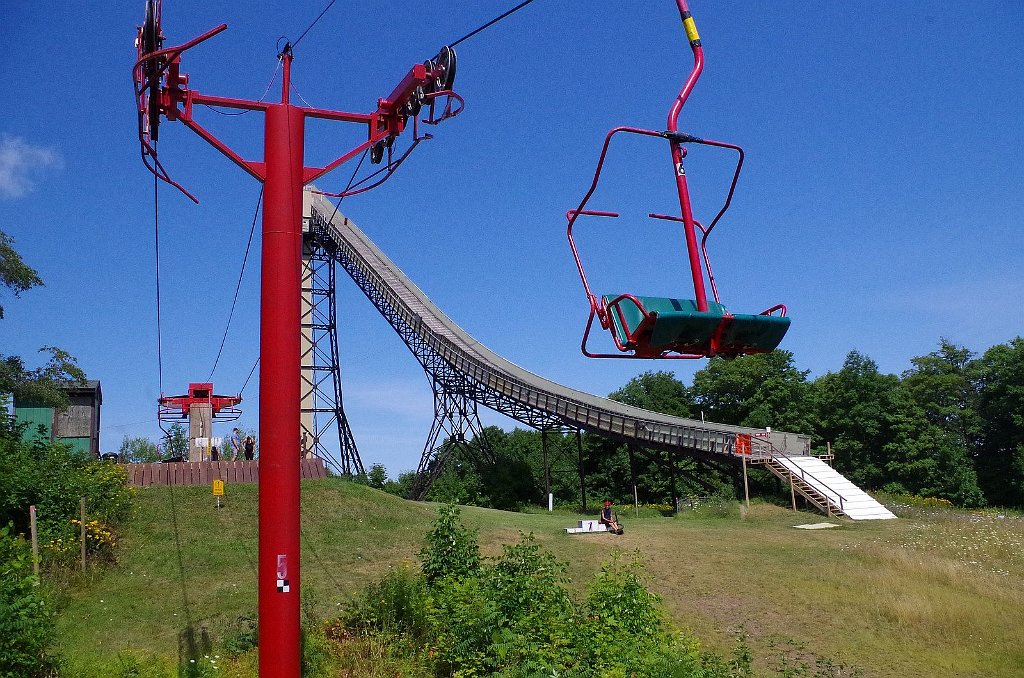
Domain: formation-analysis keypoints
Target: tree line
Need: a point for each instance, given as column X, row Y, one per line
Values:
column 950, row 427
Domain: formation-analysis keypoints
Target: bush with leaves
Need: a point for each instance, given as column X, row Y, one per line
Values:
column 26, row 624
column 514, row 616
column 53, row 478
column 397, row 604
column 451, row 550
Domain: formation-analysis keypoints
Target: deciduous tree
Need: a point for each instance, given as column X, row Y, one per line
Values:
column 41, row 385
column 934, row 426
column 138, row 450
column 15, row 274
column 658, row 392
column 1000, row 407
column 852, row 408
column 757, row 390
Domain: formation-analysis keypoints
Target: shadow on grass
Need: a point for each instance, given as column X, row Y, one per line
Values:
column 194, row 645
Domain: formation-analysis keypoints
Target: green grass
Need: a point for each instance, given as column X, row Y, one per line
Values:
column 936, row 593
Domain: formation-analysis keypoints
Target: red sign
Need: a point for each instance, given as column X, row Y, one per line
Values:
column 743, row 443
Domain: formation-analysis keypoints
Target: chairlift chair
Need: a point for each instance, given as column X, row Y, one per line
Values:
column 659, row 327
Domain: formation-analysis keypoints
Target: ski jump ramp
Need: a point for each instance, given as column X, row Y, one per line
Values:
column 463, row 372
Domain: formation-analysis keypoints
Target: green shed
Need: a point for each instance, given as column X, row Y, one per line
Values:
column 78, row 425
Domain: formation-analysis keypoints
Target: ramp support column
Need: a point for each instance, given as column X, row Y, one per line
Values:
column 583, row 478
column 547, row 472
column 322, row 406
column 456, row 415
column 632, row 480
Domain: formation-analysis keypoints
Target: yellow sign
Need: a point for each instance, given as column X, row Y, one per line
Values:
column 218, row 488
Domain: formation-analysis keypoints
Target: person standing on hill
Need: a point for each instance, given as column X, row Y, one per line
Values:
column 235, row 441
column 250, row 448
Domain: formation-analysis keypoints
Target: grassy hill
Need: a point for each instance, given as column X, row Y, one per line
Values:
column 936, row 593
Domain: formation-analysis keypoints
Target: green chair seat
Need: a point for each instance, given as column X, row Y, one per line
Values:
column 679, row 326
column 753, row 333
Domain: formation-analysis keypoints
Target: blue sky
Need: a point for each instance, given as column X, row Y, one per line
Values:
column 881, row 198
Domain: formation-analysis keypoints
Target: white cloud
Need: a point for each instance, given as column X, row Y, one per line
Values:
column 21, row 163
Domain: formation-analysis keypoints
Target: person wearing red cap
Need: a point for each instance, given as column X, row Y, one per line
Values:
column 608, row 519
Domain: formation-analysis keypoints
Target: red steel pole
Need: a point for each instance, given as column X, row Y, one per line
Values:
column 278, row 578
column 696, row 268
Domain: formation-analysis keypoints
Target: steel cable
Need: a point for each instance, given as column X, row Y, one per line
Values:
column 490, row 23
column 238, row 286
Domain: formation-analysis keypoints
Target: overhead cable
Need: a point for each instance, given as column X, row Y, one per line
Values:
column 238, row 286
column 490, row 23
column 329, row 5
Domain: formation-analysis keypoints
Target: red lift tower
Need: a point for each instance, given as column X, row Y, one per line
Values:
column 163, row 91
column 201, row 407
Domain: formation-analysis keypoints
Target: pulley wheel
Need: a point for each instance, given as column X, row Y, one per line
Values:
column 149, row 42
column 377, row 152
column 444, row 66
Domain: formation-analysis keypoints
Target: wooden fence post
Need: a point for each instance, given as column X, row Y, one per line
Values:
column 746, row 487
column 81, row 505
column 35, row 539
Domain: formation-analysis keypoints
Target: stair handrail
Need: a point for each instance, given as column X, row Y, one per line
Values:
column 803, row 476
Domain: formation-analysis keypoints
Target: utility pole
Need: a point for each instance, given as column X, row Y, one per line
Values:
column 162, row 91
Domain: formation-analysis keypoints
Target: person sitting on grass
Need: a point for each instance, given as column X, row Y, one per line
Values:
column 609, row 520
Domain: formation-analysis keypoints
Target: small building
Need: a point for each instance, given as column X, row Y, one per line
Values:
column 77, row 425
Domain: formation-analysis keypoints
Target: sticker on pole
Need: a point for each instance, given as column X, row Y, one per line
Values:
column 282, row 574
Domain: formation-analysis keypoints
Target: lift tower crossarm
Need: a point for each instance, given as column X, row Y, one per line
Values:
column 386, row 121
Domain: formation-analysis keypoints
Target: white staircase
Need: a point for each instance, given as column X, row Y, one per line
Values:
column 826, row 488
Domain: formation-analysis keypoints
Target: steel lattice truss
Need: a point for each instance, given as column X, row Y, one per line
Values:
column 323, row 413
column 456, row 396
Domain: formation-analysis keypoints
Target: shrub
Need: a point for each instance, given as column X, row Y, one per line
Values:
column 451, row 550
column 396, row 605
column 26, row 625
column 130, row 664
column 53, row 477
column 513, row 617
column 242, row 636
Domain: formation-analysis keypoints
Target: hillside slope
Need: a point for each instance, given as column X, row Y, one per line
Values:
column 938, row 593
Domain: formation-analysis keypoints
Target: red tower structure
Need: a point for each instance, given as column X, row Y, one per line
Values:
column 163, row 91
column 199, row 394
column 201, row 407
